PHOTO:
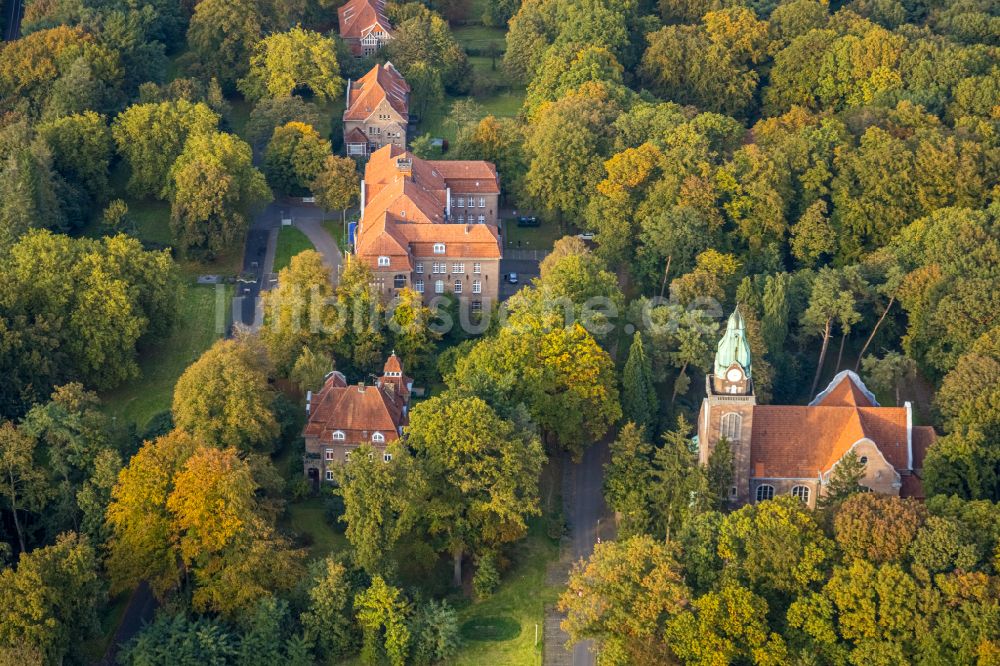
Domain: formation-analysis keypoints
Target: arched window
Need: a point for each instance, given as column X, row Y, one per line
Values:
column 383, row 261
column 732, row 424
column 438, row 248
column 378, row 437
column 802, row 493
column 765, row 492
column 338, row 436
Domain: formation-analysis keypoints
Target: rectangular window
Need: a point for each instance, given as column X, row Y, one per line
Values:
column 482, row 202
column 383, row 261
column 440, row 267
column 387, row 457
column 477, row 287
column 458, row 287
column 439, row 287
column 477, row 306
column 482, row 219
column 458, row 268
column 419, row 268
column 329, row 454
column 329, row 475
column 461, row 219
column 419, row 286
column 477, row 268
column 438, row 248
column 460, row 202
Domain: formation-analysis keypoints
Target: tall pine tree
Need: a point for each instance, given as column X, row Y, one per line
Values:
column 638, row 394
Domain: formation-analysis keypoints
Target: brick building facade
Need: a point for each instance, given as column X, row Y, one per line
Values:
column 431, row 226
column 788, row 449
column 377, row 111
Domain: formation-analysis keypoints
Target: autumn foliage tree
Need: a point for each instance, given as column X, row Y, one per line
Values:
column 214, row 188
column 224, row 399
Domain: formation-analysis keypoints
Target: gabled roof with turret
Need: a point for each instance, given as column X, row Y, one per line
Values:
column 733, row 347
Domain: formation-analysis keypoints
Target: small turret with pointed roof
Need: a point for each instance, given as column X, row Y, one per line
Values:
column 733, row 347
column 393, row 366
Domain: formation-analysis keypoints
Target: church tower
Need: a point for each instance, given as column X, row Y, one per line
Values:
column 727, row 410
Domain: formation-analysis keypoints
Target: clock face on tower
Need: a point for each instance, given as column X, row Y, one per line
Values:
column 734, row 375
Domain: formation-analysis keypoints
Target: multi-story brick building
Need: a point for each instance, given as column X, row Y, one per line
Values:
column 364, row 26
column 431, row 226
column 342, row 417
column 788, row 449
column 377, row 111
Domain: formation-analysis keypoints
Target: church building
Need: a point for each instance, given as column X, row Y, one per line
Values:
column 791, row 449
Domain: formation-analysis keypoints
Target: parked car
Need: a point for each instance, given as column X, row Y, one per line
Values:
column 525, row 221
column 511, row 278
column 586, row 236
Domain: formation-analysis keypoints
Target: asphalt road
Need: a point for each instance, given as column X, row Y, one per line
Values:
column 16, row 12
column 589, row 519
column 526, row 269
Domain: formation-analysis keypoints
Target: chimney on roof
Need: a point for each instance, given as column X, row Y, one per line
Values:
column 361, row 387
column 405, row 166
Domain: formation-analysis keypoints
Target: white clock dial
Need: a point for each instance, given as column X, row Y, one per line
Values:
column 734, row 375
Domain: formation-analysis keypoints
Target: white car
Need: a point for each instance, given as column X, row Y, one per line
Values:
column 587, row 236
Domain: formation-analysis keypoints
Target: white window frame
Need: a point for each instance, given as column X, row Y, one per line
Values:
column 477, row 268
column 458, row 268
column 730, row 426
column 439, row 286
column 765, row 491
column 477, row 287
column 439, row 248
column 386, row 457
column 477, row 306
column 460, row 202
column 383, row 261
column 458, row 286
column 419, row 268
column 482, row 202
column 378, row 437
column 339, row 436
column 329, row 475
column 328, row 454
column 418, row 286
column 461, row 219
column 482, row 219
column 801, row 492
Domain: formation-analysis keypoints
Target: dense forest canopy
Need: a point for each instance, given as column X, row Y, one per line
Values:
column 832, row 169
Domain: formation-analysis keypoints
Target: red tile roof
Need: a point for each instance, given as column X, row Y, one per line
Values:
column 357, row 18
column 404, row 215
column 368, row 92
column 359, row 411
column 804, row 441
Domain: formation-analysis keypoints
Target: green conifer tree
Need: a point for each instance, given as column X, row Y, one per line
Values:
column 639, row 403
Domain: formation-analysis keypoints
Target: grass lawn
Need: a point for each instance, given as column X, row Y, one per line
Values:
column 335, row 227
column 309, row 517
column 501, row 105
column 291, row 241
column 194, row 331
column 501, row 629
column 532, row 238
column 480, row 37
column 483, row 66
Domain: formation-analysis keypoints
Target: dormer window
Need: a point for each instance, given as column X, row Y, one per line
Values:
column 383, row 261
column 338, row 436
column 438, row 248
column 378, row 437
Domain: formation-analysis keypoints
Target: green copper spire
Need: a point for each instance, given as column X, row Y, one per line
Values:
column 733, row 347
